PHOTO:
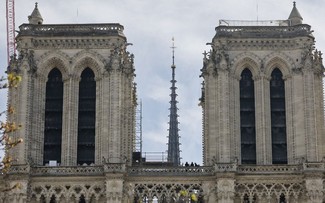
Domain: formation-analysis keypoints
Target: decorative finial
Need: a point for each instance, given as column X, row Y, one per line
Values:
column 173, row 47
column 36, row 17
column 294, row 4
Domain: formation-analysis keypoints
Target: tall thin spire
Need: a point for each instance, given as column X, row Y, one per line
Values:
column 173, row 138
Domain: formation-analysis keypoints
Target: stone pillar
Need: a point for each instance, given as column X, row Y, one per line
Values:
column 295, row 113
column 314, row 188
column 70, row 120
column 114, row 121
column 37, row 120
column 223, row 133
column 210, row 127
column 129, row 193
column 114, row 188
column 309, row 115
column 225, row 190
column 262, row 117
column 209, row 192
column 19, row 192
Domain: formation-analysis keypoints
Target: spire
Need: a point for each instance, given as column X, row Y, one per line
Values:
column 35, row 18
column 295, row 16
column 173, row 138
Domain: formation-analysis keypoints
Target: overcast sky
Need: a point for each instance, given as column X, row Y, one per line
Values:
column 150, row 26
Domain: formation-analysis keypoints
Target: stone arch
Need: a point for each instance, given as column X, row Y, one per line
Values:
column 278, row 60
column 246, row 60
column 54, row 59
column 89, row 59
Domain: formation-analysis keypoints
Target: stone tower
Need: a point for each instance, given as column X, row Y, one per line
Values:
column 76, row 101
column 263, row 94
column 263, row 118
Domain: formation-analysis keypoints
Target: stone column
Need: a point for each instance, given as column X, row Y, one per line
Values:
column 295, row 114
column 99, row 121
column 210, row 127
column 114, row 188
column 314, row 188
column 114, row 121
column 262, row 117
column 209, row 192
column 225, row 190
column 309, row 115
column 70, row 120
column 38, row 116
column 223, row 133
column 129, row 193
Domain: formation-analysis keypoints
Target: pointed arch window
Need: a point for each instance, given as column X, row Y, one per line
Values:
column 86, row 118
column 247, row 118
column 278, row 118
column 53, row 117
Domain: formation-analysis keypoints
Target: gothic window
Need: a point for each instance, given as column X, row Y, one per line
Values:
column 247, row 118
column 278, row 118
column 53, row 117
column 86, row 118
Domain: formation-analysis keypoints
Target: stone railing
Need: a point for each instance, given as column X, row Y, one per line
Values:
column 269, row 169
column 171, row 171
column 263, row 31
column 114, row 168
column 71, row 29
column 67, row 170
column 226, row 167
column 99, row 170
column 19, row 169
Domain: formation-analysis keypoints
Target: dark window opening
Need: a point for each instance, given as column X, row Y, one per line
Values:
column 53, row 117
column 278, row 118
column 282, row 198
column 86, row 118
column 247, row 118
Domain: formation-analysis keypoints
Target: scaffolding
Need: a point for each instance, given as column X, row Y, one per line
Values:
column 138, row 133
column 10, row 19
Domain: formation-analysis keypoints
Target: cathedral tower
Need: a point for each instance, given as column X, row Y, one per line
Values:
column 263, row 94
column 76, row 101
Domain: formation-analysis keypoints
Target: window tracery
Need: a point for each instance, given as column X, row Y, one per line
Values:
column 53, row 117
column 278, row 118
column 247, row 118
column 86, row 118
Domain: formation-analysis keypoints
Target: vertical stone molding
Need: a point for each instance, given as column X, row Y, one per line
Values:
column 114, row 189
column 223, row 114
column 38, row 114
column 70, row 123
column 262, row 115
column 309, row 115
column 314, row 189
column 225, row 190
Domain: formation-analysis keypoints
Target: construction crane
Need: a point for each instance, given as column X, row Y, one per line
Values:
column 10, row 17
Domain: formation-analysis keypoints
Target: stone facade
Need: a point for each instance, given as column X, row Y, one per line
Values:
column 290, row 50
column 112, row 178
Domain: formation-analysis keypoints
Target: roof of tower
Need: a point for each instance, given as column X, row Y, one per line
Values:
column 35, row 17
column 295, row 16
